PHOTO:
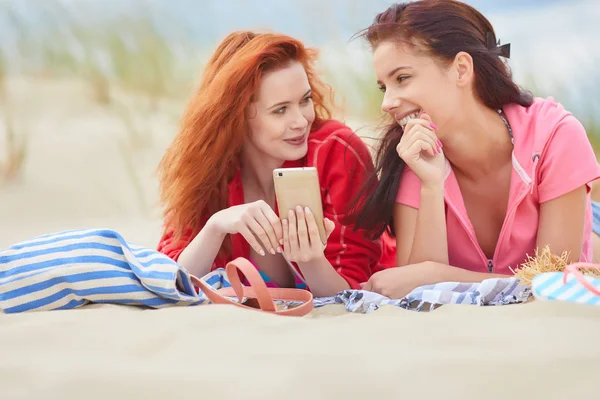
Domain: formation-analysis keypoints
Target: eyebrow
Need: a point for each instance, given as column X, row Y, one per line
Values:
column 392, row 72
column 283, row 103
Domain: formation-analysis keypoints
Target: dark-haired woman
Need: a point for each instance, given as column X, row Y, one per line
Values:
column 475, row 173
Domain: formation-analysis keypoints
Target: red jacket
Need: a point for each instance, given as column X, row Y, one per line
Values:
column 343, row 163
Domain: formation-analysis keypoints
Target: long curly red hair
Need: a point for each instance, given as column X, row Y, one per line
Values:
column 197, row 167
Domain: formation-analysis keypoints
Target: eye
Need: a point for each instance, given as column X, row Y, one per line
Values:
column 402, row 78
column 307, row 99
column 280, row 111
column 382, row 88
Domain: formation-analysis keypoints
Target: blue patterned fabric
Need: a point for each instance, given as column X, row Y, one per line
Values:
column 70, row 269
column 490, row 292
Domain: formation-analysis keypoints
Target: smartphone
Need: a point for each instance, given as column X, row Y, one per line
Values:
column 299, row 187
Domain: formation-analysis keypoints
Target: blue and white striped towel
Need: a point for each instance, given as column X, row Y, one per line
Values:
column 70, row 269
column 490, row 292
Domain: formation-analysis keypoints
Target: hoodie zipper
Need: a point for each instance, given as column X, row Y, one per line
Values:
column 489, row 262
column 530, row 182
column 470, row 234
column 509, row 213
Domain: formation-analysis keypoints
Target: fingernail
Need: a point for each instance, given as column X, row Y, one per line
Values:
column 279, row 250
column 432, row 125
column 440, row 144
column 299, row 209
column 262, row 253
column 307, row 210
column 284, row 223
column 281, row 242
column 273, row 251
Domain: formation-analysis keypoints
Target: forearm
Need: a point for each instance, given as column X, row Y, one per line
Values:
column 322, row 279
column 448, row 273
column 199, row 256
column 430, row 242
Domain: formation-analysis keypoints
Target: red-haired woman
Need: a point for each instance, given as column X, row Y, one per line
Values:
column 261, row 106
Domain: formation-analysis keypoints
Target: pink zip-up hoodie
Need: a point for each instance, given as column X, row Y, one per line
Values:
column 552, row 156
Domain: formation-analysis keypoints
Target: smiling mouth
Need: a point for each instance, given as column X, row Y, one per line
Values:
column 405, row 120
column 296, row 140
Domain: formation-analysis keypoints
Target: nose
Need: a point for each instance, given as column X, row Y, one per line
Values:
column 389, row 102
column 300, row 122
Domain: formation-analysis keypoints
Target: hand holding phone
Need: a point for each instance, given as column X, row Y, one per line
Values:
column 301, row 239
column 299, row 187
column 305, row 230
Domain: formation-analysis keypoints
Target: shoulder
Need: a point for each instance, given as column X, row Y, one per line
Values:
column 543, row 127
column 336, row 140
column 539, row 107
column 542, row 117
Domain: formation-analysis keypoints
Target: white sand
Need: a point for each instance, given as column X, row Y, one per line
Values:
column 220, row 352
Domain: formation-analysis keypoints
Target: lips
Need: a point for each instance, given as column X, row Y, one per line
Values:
column 296, row 141
column 404, row 119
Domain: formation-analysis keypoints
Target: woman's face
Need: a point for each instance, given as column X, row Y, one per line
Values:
column 413, row 82
column 282, row 115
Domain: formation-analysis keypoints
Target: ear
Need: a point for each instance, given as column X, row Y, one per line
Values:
column 251, row 111
column 463, row 69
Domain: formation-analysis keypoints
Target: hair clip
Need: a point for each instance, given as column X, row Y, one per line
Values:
column 492, row 45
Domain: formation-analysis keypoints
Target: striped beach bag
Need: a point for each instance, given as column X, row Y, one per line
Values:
column 70, row 269
column 570, row 285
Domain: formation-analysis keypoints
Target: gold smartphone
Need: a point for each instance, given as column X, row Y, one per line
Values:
column 299, row 187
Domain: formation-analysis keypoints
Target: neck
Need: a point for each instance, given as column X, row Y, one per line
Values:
column 257, row 174
column 476, row 142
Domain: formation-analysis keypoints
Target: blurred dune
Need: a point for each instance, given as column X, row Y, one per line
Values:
column 91, row 92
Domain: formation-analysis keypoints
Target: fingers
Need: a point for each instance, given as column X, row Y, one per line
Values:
column 422, row 122
column 275, row 223
column 426, row 117
column 409, row 151
column 261, row 228
column 287, row 248
column 410, row 132
column 419, row 126
column 420, row 132
column 420, row 146
column 293, row 233
column 269, row 226
column 427, row 143
column 251, row 239
column 256, row 228
column 303, row 240
column 314, row 237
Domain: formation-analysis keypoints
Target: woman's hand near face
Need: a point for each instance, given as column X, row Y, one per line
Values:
column 421, row 150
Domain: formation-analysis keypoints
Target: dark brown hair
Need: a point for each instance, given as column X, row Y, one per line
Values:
column 442, row 28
